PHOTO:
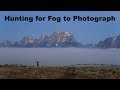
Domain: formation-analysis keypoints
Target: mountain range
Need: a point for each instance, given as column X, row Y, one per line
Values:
column 60, row 39
column 56, row 39
column 110, row 42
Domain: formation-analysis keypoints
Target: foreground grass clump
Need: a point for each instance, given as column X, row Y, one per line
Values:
column 88, row 72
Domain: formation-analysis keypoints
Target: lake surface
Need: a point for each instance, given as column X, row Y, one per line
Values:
column 59, row 56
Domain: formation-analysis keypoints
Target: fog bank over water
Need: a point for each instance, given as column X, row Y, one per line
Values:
column 59, row 56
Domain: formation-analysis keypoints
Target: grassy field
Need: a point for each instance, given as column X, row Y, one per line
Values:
column 88, row 72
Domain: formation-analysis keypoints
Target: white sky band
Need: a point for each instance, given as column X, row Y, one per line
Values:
column 95, row 19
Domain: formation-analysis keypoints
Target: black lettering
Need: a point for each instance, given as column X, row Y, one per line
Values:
column 75, row 17
column 58, row 19
column 7, row 18
column 40, row 18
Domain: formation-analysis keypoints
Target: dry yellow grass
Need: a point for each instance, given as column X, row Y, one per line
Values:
column 98, row 72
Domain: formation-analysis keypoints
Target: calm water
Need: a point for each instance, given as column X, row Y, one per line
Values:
column 59, row 56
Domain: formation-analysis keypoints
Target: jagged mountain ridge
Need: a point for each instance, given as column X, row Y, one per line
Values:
column 110, row 42
column 61, row 39
column 56, row 39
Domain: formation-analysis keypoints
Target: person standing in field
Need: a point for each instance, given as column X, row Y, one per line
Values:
column 37, row 63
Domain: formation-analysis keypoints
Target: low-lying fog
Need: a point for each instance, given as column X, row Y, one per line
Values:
column 59, row 56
